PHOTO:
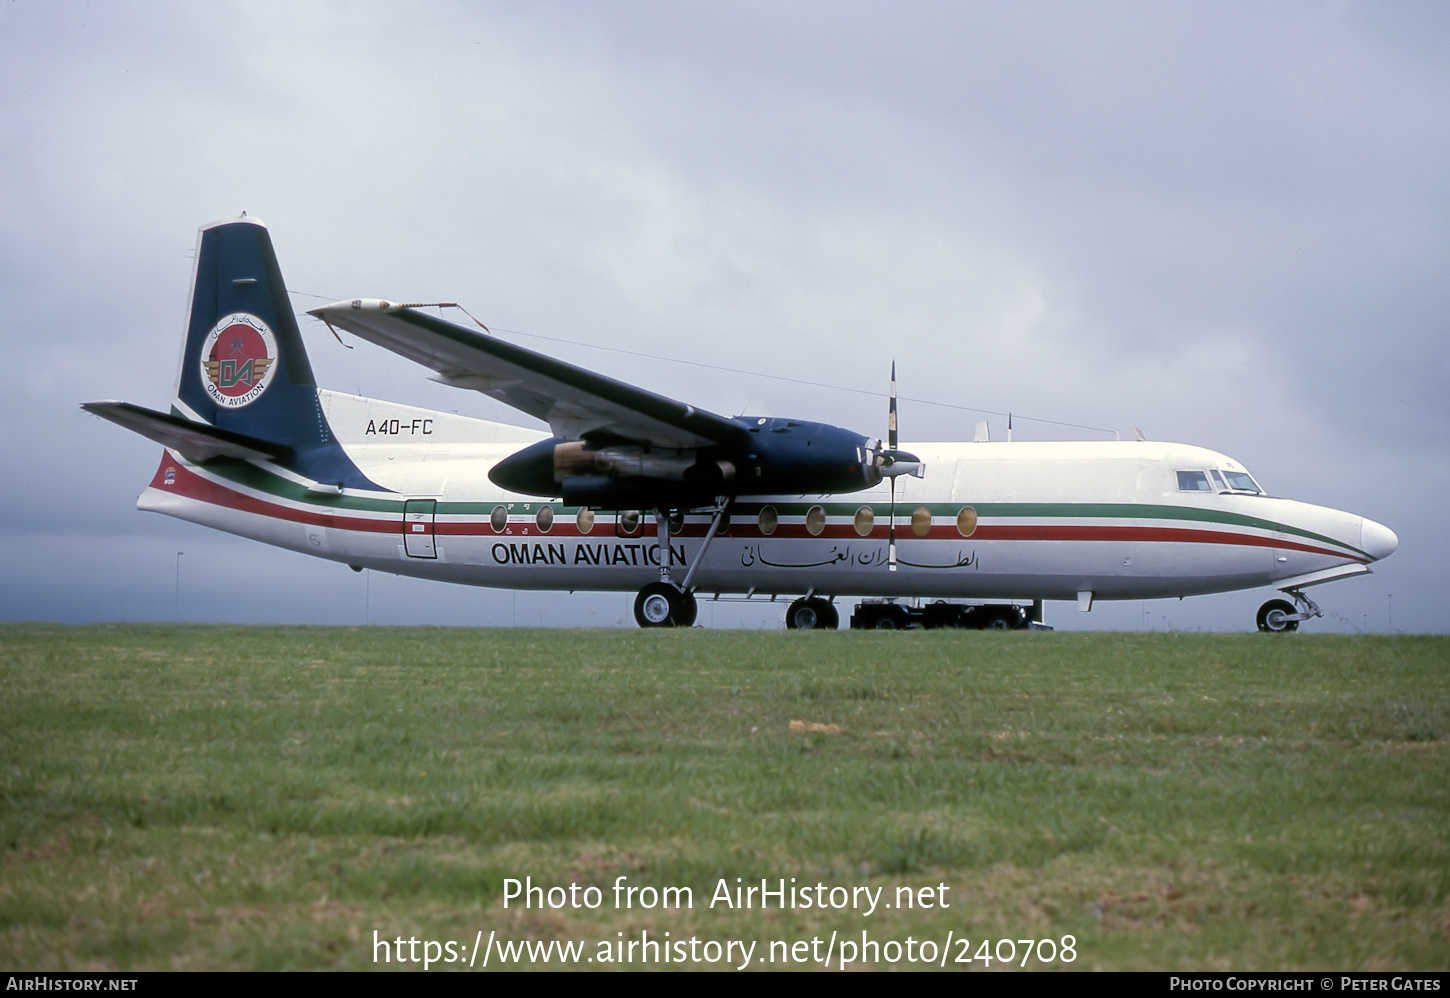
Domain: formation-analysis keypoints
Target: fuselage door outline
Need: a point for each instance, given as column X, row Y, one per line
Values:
column 418, row 515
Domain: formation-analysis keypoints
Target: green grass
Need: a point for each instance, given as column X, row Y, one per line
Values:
column 233, row 797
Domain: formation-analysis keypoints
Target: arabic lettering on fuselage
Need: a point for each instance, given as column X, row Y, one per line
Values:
column 967, row 560
column 867, row 557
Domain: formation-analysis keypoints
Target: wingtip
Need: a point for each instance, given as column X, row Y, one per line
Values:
column 386, row 305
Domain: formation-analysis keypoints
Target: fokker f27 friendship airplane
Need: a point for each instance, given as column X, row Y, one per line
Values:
column 742, row 505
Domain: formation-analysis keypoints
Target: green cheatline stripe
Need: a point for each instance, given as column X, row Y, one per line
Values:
column 1053, row 510
column 254, row 477
column 1153, row 513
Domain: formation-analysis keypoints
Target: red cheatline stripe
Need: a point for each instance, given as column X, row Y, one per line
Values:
column 1071, row 532
column 1172, row 534
column 194, row 486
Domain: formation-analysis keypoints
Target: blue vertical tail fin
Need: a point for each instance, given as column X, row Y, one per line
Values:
column 244, row 368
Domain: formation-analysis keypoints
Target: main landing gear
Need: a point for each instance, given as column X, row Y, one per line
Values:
column 667, row 603
column 1281, row 617
column 662, row 604
column 811, row 613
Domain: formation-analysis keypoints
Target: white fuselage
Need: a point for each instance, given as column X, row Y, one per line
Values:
column 989, row 521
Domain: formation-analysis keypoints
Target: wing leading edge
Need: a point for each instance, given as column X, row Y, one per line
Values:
column 574, row 402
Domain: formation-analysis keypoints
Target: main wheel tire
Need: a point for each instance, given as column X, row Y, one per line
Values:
column 662, row 605
column 689, row 610
column 1272, row 616
column 811, row 615
column 802, row 616
column 830, row 619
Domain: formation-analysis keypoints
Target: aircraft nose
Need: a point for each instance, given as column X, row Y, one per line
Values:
column 1377, row 540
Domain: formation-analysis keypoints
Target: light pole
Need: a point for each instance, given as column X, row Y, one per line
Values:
column 176, row 606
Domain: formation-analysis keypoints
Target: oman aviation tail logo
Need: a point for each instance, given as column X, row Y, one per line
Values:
column 238, row 360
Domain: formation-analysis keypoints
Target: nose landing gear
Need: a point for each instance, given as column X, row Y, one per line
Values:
column 1282, row 617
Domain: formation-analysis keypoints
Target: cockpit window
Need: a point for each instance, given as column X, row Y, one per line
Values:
column 1193, row 481
column 1217, row 478
column 1242, row 481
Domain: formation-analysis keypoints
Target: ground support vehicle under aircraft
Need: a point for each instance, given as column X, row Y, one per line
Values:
column 632, row 491
column 895, row 614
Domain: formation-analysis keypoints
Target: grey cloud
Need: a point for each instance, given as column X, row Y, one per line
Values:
column 1227, row 222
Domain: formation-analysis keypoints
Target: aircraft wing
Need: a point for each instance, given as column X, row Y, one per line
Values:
column 573, row 401
column 194, row 441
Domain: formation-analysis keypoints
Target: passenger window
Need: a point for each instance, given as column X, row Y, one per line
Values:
column 1193, row 481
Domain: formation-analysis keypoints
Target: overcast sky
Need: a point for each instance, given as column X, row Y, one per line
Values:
column 1224, row 224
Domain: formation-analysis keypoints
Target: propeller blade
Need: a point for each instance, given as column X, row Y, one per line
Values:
column 888, row 458
column 891, row 413
column 891, row 443
column 891, row 531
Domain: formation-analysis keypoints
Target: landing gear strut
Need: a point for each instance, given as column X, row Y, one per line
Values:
column 667, row 603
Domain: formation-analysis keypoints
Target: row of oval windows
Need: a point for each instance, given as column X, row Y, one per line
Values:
column 768, row 520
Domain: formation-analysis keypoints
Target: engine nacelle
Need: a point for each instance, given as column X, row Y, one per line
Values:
column 576, row 459
column 771, row 457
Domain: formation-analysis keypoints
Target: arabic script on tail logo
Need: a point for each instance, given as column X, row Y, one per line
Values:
column 238, row 360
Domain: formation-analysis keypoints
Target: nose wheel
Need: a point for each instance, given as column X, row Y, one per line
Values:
column 1281, row 617
column 1278, row 617
column 661, row 604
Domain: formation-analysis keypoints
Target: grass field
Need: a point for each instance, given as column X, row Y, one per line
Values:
column 258, row 798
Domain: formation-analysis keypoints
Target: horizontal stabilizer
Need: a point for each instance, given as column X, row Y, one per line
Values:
column 193, row 441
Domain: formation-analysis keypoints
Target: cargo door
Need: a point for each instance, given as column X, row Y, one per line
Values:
column 418, row 528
